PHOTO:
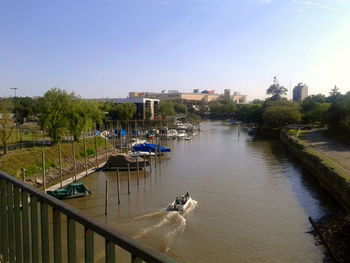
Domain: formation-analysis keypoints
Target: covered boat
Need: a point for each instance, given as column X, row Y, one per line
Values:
column 121, row 161
column 120, row 132
column 146, row 147
column 72, row 191
column 181, row 203
column 140, row 153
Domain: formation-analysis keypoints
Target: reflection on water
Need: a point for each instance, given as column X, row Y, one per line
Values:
column 252, row 201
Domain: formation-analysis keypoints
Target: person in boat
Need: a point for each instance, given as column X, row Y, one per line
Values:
column 187, row 195
column 183, row 200
column 177, row 201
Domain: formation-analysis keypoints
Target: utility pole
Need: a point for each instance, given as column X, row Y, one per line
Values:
column 14, row 91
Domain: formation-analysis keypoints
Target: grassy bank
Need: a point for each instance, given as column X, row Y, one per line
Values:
column 31, row 158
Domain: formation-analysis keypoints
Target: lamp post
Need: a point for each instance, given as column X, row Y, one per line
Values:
column 14, row 91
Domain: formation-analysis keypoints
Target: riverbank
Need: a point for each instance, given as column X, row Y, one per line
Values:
column 326, row 161
column 333, row 177
column 30, row 159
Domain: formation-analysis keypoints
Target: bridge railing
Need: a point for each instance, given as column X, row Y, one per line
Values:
column 25, row 229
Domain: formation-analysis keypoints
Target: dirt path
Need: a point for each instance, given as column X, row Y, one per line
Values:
column 335, row 151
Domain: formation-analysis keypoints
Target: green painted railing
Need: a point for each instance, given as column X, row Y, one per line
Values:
column 25, row 230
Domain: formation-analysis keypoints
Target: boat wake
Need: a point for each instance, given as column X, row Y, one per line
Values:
column 162, row 225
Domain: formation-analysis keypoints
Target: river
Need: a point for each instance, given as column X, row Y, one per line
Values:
column 251, row 201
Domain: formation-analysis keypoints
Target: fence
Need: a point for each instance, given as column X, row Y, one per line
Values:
column 22, row 207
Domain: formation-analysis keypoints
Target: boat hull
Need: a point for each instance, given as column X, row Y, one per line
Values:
column 178, row 207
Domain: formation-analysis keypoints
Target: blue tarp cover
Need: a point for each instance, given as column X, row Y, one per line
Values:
column 145, row 147
column 117, row 132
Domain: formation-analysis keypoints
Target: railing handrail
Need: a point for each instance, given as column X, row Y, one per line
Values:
column 144, row 252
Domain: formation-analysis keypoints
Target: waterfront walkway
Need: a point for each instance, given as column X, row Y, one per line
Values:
column 333, row 150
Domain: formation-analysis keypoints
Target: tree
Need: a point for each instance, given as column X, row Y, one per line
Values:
column 276, row 90
column 55, row 109
column 334, row 95
column 180, row 108
column 6, row 124
column 83, row 115
column 148, row 113
column 311, row 102
column 125, row 111
column 165, row 109
column 251, row 113
column 316, row 114
column 225, row 109
column 281, row 113
column 338, row 116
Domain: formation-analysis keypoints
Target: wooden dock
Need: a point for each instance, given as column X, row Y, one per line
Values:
column 78, row 177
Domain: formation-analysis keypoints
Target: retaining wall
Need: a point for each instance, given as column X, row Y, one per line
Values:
column 331, row 176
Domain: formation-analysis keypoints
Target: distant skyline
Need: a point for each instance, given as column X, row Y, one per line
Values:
column 107, row 48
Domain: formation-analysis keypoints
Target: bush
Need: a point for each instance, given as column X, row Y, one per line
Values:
column 89, row 152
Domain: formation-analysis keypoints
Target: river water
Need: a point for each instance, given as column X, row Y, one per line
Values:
column 251, row 201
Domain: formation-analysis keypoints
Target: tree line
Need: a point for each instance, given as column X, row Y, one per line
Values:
column 332, row 111
column 60, row 113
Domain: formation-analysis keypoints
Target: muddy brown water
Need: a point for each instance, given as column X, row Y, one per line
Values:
column 251, row 201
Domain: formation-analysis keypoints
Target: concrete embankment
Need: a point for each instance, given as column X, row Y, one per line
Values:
column 331, row 176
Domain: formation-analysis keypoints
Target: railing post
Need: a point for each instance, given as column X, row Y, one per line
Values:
column 72, row 255
column 45, row 248
column 35, row 228
column 25, row 228
column 57, row 249
column 18, row 234
column 89, row 245
column 11, row 223
column 0, row 221
column 110, row 252
column 135, row 259
column 4, row 221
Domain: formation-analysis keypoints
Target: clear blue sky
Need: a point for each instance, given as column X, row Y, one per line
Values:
column 106, row 48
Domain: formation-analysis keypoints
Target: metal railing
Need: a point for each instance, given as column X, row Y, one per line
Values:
column 24, row 215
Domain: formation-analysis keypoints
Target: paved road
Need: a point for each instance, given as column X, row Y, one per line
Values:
column 334, row 150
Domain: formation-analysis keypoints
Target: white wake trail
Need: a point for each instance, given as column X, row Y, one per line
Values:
column 165, row 220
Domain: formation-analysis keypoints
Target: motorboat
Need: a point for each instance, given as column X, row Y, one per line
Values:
column 251, row 131
column 167, row 133
column 181, row 135
column 181, row 131
column 146, row 147
column 152, row 133
column 181, row 203
column 72, row 191
column 191, row 136
column 136, row 141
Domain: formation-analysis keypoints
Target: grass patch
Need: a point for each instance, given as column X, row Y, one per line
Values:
column 89, row 152
column 31, row 158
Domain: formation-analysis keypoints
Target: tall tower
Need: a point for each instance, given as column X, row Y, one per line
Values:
column 300, row 92
column 227, row 93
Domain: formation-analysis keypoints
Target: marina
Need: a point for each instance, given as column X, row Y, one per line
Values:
column 250, row 201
